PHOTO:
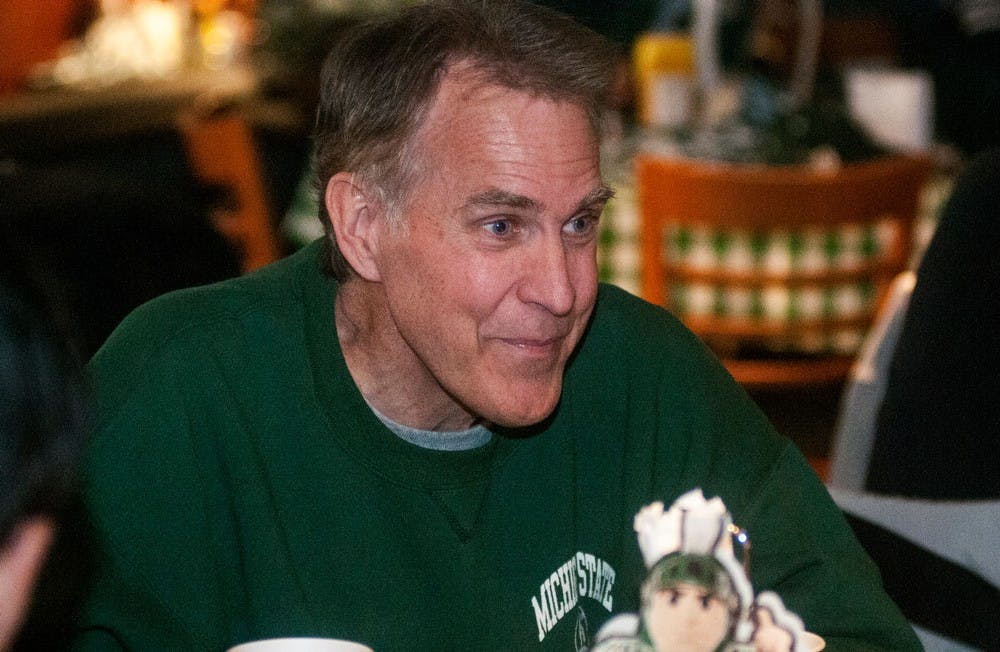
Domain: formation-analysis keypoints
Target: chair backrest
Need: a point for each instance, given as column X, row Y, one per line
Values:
column 223, row 156
column 779, row 260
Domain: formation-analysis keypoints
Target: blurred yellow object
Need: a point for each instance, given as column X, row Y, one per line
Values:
column 664, row 68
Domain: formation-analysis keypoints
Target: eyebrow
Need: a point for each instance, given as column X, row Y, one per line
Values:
column 498, row 197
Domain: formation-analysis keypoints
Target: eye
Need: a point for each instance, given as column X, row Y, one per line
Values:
column 583, row 225
column 706, row 601
column 675, row 595
column 500, row 227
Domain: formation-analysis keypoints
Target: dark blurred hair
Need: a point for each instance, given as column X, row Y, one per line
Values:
column 43, row 401
column 378, row 82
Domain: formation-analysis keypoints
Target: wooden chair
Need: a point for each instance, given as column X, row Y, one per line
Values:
column 224, row 157
column 872, row 204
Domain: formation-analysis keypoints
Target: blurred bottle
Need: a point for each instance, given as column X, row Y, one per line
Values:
column 225, row 30
column 665, row 78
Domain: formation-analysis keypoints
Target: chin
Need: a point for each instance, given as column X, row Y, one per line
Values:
column 532, row 409
column 520, row 421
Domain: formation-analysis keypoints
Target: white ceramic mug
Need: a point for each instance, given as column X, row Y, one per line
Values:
column 300, row 645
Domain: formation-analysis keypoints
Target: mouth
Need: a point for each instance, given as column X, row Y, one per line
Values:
column 534, row 347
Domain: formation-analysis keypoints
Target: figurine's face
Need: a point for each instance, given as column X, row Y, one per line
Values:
column 686, row 618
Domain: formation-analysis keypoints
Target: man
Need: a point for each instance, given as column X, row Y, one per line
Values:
column 443, row 446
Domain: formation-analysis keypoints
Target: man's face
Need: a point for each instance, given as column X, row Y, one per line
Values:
column 491, row 278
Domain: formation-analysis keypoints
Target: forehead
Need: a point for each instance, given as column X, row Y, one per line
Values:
column 476, row 127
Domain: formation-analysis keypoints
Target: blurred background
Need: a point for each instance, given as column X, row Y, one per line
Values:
column 95, row 177
column 150, row 145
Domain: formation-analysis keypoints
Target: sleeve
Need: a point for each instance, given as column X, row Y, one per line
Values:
column 803, row 549
column 801, row 546
column 157, row 581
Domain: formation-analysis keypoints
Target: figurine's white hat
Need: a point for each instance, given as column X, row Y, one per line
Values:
column 691, row 525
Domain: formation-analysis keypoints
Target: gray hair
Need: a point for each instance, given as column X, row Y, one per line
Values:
column 378, row 82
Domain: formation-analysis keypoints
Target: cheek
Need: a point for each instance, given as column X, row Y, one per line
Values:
column 584, row 273
column 424, row 269
column 717, row 614
column 587, row 290
column 482, row 283
column 452, row 305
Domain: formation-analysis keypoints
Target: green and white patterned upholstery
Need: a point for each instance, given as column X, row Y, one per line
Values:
column 777, row 252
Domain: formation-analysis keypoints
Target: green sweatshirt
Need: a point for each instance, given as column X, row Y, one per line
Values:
column 240, row 488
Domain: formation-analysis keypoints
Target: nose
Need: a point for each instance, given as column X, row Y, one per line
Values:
column 547, row 280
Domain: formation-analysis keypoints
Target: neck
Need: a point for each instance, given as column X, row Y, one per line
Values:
column 390, row 375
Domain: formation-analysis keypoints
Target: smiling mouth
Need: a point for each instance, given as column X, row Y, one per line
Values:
column 539, row 347
column 529, row 342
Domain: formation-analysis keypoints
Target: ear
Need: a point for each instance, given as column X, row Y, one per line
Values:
column 20, row 562
column 353, row 218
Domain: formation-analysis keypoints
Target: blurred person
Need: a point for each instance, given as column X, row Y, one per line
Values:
column 431, row 428
column 937, row 431
column 939, row 413
column 42, row 429
column 916, row 461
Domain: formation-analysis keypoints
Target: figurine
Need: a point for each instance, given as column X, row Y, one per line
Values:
column 697, row 596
